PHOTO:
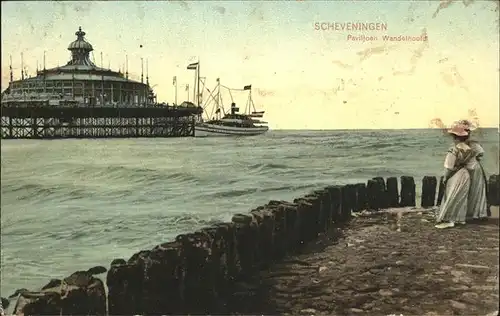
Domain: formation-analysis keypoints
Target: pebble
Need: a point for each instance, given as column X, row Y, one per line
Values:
column 457, row 273
column 485, row 288
column 308, row 311
column 383, row 292
column 463, row 280
column 472, row 266
column 458, row 305
column 356, row 310
column 470, row 297
column 441, row 251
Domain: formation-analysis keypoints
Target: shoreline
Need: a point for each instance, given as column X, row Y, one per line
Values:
column 203, row 272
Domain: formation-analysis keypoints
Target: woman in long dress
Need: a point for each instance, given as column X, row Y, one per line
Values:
column 477, row 202
column 453, row 209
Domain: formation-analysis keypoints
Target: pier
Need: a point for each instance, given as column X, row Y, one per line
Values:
column 82, row 100
column 365, row 248
column 40, row 121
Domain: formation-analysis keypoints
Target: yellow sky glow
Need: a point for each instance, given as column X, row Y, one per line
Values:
column 303, row 78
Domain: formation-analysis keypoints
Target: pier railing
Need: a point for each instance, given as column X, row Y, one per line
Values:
column 195, row 273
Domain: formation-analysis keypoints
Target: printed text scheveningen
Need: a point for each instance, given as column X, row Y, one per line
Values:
column 350, row 26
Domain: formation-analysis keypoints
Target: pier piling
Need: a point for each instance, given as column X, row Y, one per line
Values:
column 40, row 121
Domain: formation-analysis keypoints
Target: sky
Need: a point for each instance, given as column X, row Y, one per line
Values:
column 304, row 78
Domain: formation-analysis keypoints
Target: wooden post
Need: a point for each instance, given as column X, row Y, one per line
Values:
column 407, row 191
column 441, row 191
column 429, row 185
column 494, row 190
column 382, row 195
column 346, row 202
column 361, row 197
column 392, row 192
column 335, row 200
column 373, row 189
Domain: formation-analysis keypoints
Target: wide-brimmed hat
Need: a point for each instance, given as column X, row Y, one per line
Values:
column 469, row 126
column 459, row 130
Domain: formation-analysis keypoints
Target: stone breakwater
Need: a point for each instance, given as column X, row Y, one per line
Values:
column 197, row 272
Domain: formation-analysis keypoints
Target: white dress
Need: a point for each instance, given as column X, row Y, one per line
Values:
column 453, row 208
column 477, row 203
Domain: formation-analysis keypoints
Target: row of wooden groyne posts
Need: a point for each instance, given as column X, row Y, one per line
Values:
column 196, row 273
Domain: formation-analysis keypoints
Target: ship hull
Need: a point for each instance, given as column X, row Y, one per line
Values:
column 205, row 130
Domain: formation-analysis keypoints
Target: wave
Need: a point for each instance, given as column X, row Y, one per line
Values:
column 72, row 205
column 250, row 191
column 268, row 166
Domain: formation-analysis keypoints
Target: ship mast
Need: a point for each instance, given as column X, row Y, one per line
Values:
column 44, row 77
column 194, row 86
column 196, row 89
column 198, row 85
column 217, row 109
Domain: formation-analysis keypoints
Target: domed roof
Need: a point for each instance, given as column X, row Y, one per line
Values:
column 80, row 42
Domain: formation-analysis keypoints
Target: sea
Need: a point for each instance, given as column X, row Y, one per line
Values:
column 69, row 205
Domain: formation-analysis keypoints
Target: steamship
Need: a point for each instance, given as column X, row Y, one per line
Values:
column 228, row 123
